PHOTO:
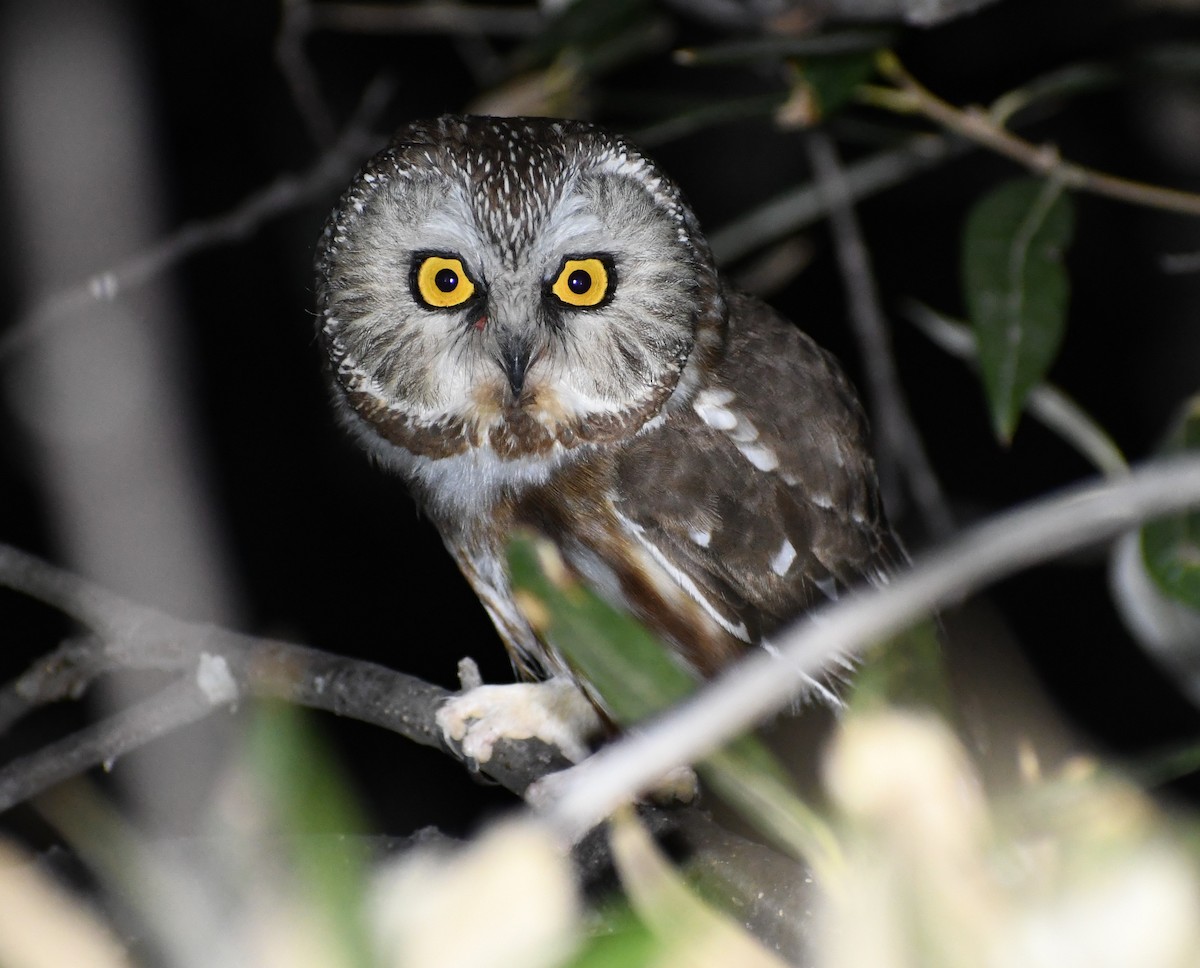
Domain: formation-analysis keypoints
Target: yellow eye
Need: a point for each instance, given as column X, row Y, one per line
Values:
column 442, row 282
column 581, row 282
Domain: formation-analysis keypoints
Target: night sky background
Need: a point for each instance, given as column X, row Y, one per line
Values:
column 318, row 546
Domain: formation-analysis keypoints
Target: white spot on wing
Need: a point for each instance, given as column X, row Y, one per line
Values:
column 702, row 538
column 710, row 407
column 760, row 455
column 783, row 558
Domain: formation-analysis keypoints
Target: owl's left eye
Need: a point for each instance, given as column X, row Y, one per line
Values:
column 441, row 281
column 583, row 282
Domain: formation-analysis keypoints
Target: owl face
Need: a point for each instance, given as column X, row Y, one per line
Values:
column 509, row 290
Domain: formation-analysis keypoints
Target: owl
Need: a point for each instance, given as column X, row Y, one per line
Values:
column 523, row 320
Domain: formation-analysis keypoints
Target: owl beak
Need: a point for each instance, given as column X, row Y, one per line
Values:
column 515, row 352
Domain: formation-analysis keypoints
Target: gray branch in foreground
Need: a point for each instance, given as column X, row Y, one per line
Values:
column 572, row 802
column 218, row 667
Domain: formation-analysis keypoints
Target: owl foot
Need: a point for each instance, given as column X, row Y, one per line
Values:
column 554, row 711
column 678, row 786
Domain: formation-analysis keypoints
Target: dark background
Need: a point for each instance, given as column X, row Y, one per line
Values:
column 324, row 549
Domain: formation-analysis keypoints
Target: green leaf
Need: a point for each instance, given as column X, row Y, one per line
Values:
column 307, row 791
column 1171, row 545
column 636, row 676
column 906, row 670
column 625, row 943
column 826, row 84
column 1017, row 289
column 626, row 665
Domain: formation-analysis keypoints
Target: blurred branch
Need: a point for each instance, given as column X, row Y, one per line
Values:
column 298, row 72
column 986, row 128
column 417, row 18
column 714, row 112
column 763, row 683
column 802, row 206
column 283, row 195
column 1046, row 402
column 1178, row 263
column 781, row 46
column 902, row 452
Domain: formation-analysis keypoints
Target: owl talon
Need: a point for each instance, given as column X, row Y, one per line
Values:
column 555, row 712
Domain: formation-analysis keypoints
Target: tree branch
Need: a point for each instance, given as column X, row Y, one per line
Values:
column 218, row 667
column 286, row 193
column 910, row 97
column 783, row 215
column 763, row 682
column 902, row 450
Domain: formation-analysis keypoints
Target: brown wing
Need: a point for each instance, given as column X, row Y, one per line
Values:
column 762, row 491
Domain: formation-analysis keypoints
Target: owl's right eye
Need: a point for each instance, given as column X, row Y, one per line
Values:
column 441, row 281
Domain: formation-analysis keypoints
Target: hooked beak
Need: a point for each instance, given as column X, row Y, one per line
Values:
column 515, row 352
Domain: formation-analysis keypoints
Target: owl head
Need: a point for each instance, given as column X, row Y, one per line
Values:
column 508, row 291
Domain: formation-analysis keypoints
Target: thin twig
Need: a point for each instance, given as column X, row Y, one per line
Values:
column 902, row 452
column 283, row 195
column 298, row 73
column 1178, row 263
column 433, row 18
column 1046, row 402
column 804, row 205
column 982, row 127
column 762, row 684
column 179, row 704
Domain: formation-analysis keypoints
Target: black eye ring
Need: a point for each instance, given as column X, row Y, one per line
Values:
column 440, row 280
column 582, row 282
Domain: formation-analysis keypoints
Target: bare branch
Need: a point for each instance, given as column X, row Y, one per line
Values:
column 764, row 683
column 433, row 18
column 181, row 703
column 298, row 72
column 286, row 193
column 806, row 204
column 982, row 127
column 218, row 667
column 902, row 451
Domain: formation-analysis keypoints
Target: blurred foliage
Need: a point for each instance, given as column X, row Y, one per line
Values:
column 1171, row 545
column 636, row 677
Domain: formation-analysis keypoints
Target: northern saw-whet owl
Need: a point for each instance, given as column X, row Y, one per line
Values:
column 523, row 319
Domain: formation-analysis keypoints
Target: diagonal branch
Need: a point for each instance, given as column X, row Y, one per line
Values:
column 763, row 683
column 284, row 194
column 902, row 451
column 909, row 96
